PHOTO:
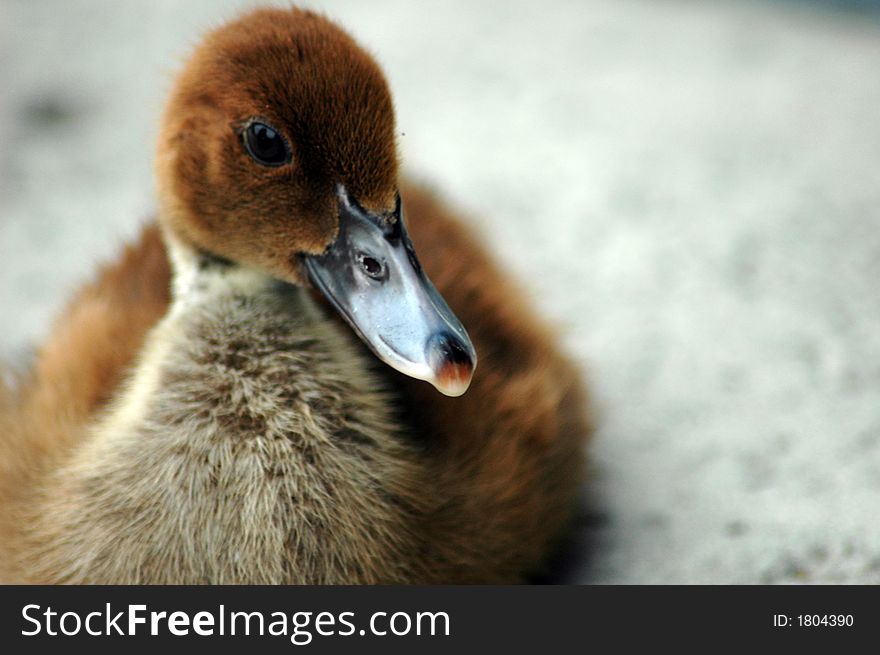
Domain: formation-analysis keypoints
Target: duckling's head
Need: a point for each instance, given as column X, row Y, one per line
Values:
column 277, row 152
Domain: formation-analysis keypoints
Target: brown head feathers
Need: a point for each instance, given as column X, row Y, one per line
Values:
column 305, row 80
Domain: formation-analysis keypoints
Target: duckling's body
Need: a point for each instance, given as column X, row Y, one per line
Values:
column 235, row 431
column 267, row 440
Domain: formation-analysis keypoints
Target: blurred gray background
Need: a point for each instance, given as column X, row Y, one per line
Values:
column 689, row 190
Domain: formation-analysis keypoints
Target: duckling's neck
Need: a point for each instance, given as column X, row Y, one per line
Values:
column 197, row 273
column 252, row 444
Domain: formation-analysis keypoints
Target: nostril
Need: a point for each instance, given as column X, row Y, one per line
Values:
column 373, row 267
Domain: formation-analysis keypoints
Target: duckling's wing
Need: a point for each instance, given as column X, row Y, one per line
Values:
column 103, row 328
column 508, row 454
column 79, row 367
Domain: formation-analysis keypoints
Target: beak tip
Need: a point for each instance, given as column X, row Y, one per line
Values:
column 453, row 362
column 454, row 378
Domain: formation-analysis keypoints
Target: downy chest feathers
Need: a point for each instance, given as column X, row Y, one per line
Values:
column 251, row 445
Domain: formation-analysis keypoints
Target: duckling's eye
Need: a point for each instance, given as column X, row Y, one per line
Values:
column 371, row 266
column 265, row 145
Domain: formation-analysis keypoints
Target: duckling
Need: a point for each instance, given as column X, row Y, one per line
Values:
column 250, row 394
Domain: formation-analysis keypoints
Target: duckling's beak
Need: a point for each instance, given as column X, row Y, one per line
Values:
column 372, row 276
